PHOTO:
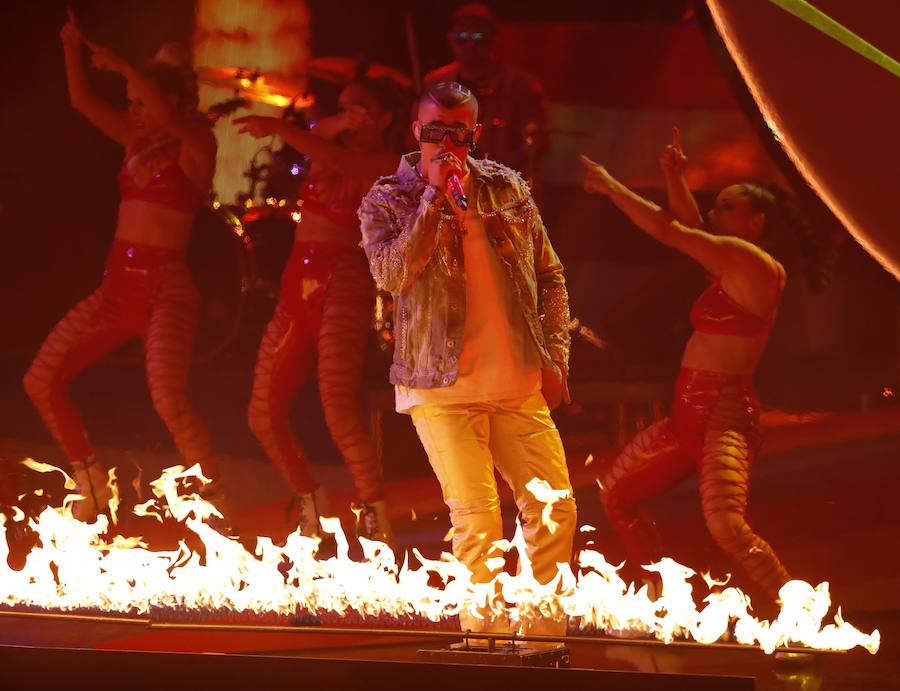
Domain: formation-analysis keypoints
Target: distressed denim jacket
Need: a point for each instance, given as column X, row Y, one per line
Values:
column 414, row 246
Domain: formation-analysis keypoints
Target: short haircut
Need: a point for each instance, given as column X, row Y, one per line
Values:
column 450, row 95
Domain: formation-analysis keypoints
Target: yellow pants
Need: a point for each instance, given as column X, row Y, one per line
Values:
column 465, row 443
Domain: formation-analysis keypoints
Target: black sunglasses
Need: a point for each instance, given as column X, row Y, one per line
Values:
column 434, row 134
column 463, row 36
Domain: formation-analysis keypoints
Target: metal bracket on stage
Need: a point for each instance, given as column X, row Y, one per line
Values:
column 474, row 650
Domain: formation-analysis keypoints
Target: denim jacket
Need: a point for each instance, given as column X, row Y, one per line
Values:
column 414, row 246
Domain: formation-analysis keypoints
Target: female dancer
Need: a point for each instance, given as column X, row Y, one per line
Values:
column 146, row 289
column 714, row 425
column 323, row 314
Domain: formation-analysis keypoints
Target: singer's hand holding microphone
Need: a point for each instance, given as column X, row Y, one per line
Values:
column 445, row 172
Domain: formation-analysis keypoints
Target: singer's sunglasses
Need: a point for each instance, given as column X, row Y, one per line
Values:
column 434, row 134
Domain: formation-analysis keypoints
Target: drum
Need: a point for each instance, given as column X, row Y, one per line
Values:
column 236, row 264
column 223, row 267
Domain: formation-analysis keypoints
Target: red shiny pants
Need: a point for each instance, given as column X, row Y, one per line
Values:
column 320, row 325
column 713, row 428
column 147, row 292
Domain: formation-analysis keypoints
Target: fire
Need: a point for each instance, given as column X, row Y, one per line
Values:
column 548, row 496
column 76, row 565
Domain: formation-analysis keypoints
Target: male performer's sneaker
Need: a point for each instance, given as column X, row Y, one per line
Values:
column 91, row 481
column 372, row 522
column 305, row 510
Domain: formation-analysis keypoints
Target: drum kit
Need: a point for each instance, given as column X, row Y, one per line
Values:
column 239, row 249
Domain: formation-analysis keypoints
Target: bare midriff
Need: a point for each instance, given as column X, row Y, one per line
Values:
column 148, row 223
column 314, row 227
column 726, row 354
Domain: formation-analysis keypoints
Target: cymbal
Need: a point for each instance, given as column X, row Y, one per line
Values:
column 255, row 85
column 342, row 70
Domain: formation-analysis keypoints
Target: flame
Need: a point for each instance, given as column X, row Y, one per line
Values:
column 114, row 502
column 47, row 468
column 136, row 482
column 76, row 565
column 449, row 535
column 144, row 510
column 545, row 494
column 711, row 581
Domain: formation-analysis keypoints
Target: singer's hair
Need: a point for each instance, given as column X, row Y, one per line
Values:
column 786, row 233
column 450, row 95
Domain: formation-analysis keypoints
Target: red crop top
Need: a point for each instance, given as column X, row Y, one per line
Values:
column 334, row 197
column 716, row 312
column 155, row 176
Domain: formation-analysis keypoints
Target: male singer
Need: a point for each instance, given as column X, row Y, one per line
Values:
column 482, row 344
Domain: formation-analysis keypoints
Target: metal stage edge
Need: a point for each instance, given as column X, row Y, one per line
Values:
column 23, row 667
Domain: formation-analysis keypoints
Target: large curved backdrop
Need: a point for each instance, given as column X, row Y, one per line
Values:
column 836, row 114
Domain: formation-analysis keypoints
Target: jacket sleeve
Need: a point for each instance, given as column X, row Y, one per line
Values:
column 398, row 251
column 553, row 298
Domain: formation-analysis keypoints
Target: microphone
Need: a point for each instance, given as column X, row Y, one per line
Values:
column 454, row 185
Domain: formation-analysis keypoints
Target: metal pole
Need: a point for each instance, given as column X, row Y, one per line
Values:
column 85, row 618
column 413, row 54
column 817, row 19
column 455, row 635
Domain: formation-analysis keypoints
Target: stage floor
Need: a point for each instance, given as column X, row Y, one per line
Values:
column 829, row 509
column 856, row 671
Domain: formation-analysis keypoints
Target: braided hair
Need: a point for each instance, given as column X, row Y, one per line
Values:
column 787, row 233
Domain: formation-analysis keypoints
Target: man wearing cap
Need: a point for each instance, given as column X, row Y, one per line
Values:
column 512, row 103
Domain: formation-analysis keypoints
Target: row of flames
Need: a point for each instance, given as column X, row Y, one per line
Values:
column 77, row 566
